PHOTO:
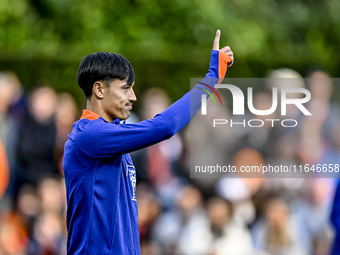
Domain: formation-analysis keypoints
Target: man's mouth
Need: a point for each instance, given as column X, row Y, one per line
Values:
column 129, row 106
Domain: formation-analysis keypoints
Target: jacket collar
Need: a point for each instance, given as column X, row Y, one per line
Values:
column 89, row 115
column 94, row 116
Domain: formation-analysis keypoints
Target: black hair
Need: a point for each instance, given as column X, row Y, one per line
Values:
column 103, row 66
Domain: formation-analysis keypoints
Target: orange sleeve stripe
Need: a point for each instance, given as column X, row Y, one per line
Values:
column 223, row 61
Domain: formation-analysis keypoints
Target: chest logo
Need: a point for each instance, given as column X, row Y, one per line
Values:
column 133, row 179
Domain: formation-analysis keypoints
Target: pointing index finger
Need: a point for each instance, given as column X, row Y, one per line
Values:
column 216, row 44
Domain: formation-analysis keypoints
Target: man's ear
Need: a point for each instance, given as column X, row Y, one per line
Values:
column 98, row 89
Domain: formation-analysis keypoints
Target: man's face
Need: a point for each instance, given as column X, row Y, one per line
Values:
column 118, row 99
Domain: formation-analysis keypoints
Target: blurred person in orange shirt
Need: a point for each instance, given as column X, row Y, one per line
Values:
column 13, row 236
column 4, row 173
column 11, row 110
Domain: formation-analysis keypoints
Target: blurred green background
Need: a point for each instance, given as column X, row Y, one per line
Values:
column 167, row 42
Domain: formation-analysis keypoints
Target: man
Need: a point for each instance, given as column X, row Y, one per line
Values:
column 102, row 215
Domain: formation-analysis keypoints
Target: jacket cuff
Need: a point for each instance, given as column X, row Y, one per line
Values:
column 219, row 62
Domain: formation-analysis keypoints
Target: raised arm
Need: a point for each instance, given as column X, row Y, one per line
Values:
column 99, row 139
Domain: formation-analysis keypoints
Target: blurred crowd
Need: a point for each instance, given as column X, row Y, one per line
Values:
column 33, row 129
column 177, row 214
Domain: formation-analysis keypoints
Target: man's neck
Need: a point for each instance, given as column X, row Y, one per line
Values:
column 96, row 108
column 89, row 106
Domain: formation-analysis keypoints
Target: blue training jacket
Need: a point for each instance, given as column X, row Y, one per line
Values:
column 335, row 219
column 102, row 215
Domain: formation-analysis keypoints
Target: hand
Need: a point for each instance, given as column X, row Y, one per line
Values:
column 226, row 49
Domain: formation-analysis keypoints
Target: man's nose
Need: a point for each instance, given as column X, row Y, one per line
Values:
column 132, row 96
